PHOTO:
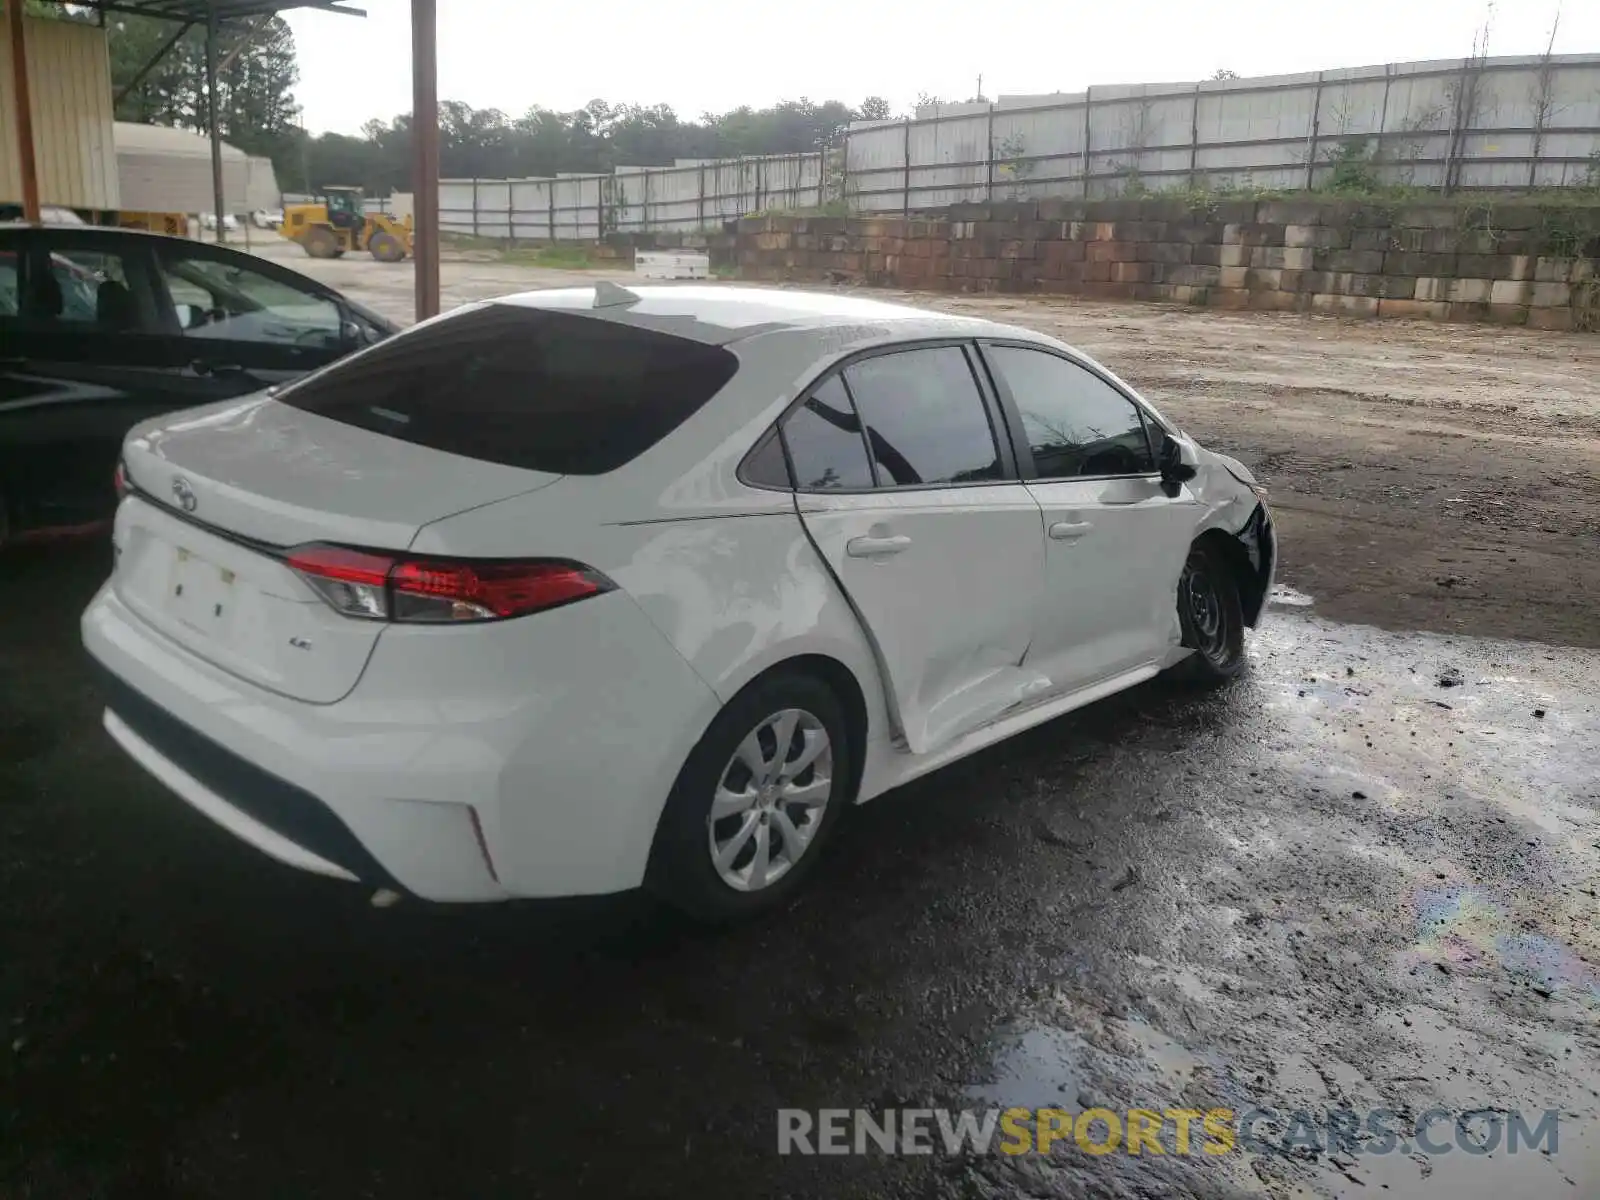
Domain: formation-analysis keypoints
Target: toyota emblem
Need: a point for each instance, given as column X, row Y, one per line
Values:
column 184, row 494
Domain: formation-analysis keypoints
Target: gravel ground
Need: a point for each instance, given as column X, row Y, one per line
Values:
column 1362, row 877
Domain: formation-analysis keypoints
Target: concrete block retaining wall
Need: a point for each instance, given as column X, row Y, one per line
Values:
column 1522, row 265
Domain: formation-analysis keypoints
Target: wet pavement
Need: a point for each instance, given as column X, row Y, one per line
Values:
column 1363, row 877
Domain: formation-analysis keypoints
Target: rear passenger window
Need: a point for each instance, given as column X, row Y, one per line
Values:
column 541, row 389
column 824, row 438
column 925, row 418
column 766, row 466
column 84, row 287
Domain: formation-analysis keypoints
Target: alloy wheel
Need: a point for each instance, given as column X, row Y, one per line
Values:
column 770, row 800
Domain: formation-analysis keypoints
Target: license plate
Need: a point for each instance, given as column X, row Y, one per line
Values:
column 201, row 594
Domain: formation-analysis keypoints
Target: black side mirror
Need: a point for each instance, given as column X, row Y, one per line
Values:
column 1178, row 463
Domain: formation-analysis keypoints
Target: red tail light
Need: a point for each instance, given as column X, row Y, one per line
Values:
column 382, row 587
column 120, row 480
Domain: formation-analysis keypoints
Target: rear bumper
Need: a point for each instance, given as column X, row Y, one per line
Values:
column 536, row 765
column 275, row 816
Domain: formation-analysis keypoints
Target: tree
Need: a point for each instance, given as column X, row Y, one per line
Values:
column 256, row 110
column 1224, row 73
column 487, row 144
column 874, row 108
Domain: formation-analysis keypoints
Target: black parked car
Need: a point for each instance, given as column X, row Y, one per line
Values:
column 101, row 328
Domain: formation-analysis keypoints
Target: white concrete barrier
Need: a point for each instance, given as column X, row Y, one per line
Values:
column 672, row 264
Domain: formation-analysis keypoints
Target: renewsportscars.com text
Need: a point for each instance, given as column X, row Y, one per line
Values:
column 1176, row 1131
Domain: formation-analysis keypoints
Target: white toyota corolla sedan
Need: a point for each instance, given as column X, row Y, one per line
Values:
column 585, row 589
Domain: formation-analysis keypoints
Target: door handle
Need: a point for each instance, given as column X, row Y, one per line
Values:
column 1068, row 531
column 876, row 547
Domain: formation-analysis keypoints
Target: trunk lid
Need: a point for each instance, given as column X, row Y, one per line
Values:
column 271, row 473
column 225, row 489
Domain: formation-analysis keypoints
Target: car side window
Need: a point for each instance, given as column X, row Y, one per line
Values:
column 766, row 466
column 824, row 440
column 1075, row 422
column 219, row 299
column 85, row 288
column 926, row 423
column 10, row 284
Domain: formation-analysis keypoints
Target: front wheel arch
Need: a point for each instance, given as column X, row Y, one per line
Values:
column 1250, row 582
column 1210, row 608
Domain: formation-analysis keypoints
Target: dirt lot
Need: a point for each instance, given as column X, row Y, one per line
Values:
column 1425, row 476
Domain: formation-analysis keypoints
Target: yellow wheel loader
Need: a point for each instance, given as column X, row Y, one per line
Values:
column 338, row 222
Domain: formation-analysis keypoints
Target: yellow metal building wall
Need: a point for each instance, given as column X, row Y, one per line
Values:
column 70, row 69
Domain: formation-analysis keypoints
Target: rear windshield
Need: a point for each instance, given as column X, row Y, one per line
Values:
column 534, row 388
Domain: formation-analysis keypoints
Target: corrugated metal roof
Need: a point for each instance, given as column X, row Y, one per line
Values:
column 199, row 10
column 133, row 138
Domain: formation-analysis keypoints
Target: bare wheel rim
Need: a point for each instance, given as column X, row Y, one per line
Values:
column 1207, row 615
column 770, row 800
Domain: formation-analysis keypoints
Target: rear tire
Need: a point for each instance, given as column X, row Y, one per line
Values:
column 322, row 243
column 1211, row 616
column 756, row 802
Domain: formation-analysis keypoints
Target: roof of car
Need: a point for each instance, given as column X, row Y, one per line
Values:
column 723, row 313
column 98, row 231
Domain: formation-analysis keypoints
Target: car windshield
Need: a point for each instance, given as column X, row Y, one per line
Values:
column 548, row 391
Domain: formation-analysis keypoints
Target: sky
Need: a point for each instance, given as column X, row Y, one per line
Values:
column 702, row 55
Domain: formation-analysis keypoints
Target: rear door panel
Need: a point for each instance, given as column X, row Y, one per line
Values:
column 949, row 600
column 909, row 501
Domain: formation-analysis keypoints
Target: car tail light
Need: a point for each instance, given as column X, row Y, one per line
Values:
column 384, row 587
column 120, row 480
column 351, row 581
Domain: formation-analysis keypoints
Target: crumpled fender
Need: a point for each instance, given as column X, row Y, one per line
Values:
column 1225, row 488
